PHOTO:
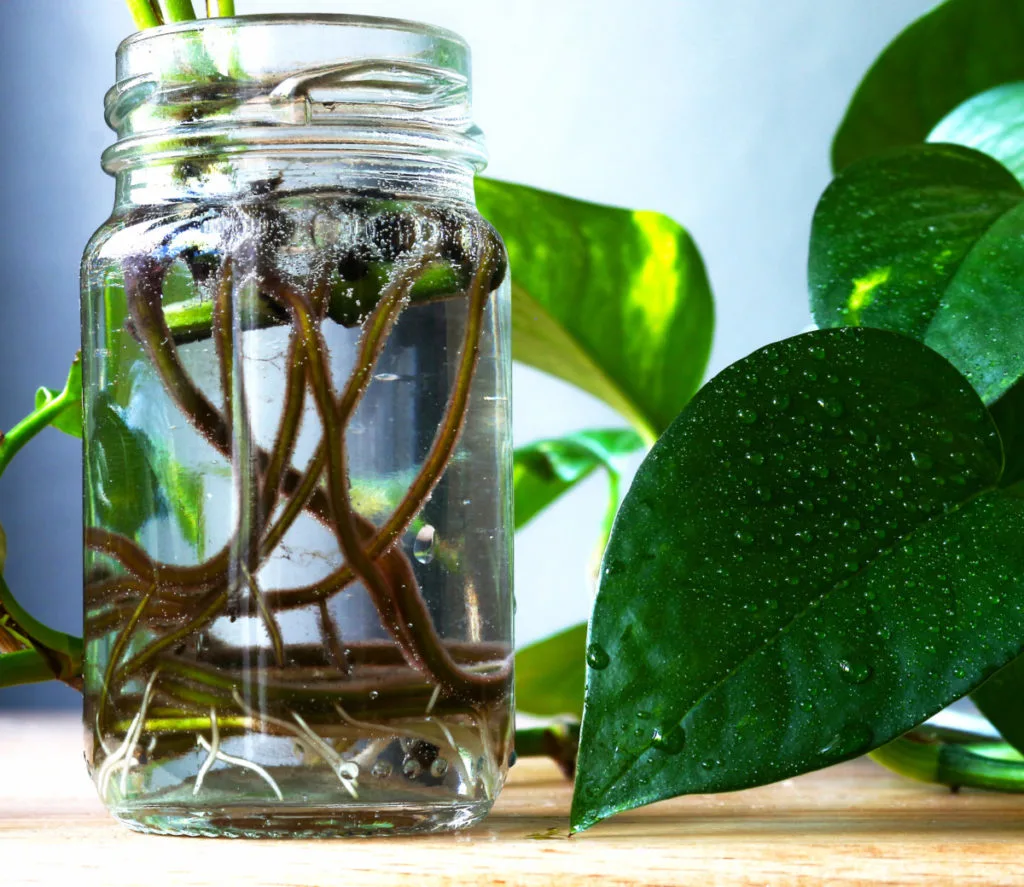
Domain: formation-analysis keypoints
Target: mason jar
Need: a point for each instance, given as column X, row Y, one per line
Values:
column 298, row 500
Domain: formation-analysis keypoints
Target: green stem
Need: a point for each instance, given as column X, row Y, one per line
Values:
column 180, row 10
column 220, row 8
column 67, row 646
column 559, row 741
column 953, row 765
column 145, row 13
column 30, row 426
column 24, row 667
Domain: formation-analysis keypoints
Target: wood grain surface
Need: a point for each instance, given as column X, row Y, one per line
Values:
column 854, row 824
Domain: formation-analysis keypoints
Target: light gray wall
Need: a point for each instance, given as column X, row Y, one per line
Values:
column 717, row 113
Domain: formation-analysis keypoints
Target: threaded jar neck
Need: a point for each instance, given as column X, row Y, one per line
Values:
column 216, row 103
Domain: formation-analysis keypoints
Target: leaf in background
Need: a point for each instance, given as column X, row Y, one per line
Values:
column 812, row 560
column 183, row 490
column 929, row 242
column 613, row 301
column 69, row 419
column 550, row 674
column 124, row 491
column 545, row 470
column 992, row 123
column 956, row 51
column 1001, row 700
column 3, row 548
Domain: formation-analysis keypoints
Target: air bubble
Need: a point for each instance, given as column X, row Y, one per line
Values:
column 381, row 770
column 423, row 548
column 439, row 767
column 412, row 768
column 348, row 770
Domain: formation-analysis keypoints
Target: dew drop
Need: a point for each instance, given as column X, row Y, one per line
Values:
column 387, row 377
column 439, row 767
column 855, row 672
column 780, row 401
column 922, row 461
column 668, row 740
column 832, row 406
column 852, row 741
column 597, row 657
column 747, row 417
column 755, row 458
column 744, row 538
column 381, row 769
column 423, row 548
column 412, row 768
column 374, row 694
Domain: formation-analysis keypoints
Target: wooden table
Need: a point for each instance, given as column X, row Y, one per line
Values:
column 854, row 824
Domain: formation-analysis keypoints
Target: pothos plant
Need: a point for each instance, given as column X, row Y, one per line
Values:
column 823, row 546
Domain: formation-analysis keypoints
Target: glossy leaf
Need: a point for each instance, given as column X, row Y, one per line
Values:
column 550, row 674
column 1001, row 700
column 613, row 301
column 814, row 558
column 992, row 123
column 546, row 470
column 928, row 242
column 956, row 51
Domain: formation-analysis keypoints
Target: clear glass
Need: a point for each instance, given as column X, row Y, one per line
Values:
column 297, row 452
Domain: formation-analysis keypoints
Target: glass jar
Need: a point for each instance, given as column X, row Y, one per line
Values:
column 298, row 498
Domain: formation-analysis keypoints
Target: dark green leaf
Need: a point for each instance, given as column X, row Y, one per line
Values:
column 1008, row 413
column 815, row 558
column 545, row 470
column 69, row 418
column 550, row 674
column 928, row 242
column 614, row 301
column 1001, row 700
column 960, row 49
column 992, row 123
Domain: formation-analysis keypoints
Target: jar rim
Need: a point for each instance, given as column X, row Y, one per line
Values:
column 309, row 84
column 289, row 18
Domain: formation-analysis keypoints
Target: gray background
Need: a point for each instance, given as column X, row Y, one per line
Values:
column 718, row 113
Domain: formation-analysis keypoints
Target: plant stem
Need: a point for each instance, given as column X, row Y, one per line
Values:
column 180, row 10
column 25, row 667
column 62, row 651
column 145, row 13
column 953, row 765
column 559, row 741
column 224, row 8
column 12, row 442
